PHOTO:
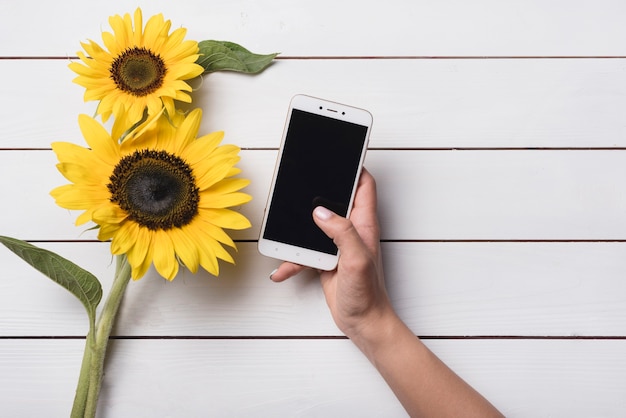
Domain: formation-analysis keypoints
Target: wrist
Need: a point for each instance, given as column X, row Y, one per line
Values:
column 377, row 332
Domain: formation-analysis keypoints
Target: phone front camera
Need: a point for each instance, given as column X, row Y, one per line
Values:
column 320, row 107
column 343, row 113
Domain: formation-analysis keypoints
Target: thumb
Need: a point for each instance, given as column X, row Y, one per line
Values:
column 339, row 229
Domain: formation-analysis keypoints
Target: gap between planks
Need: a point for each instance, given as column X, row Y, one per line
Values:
column 320, row 337
column 466, row 149
column 377, row 57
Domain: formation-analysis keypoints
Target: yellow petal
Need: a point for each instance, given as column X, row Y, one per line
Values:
column 125, row 238
column 222, row 254
column 110, row 44
column 213, row 231
column 77, row 173
column 218, row 169
column 184, row 72
column 72, row 197
column 210, row 239
column 120, row 26
column 68, row 152
column 145, row 135
column 99, row 140
column 218, row 200
column 185, row 248
column 199, row 150
column 229, row 185
column 107, row 231
column 225, row 218
column 164, row 260
column 111, row 214
column 175, row 38
column 84, row 218
column 143, row 240
column 140, row 270
column 206, row 250
column 155, row 31
column 137, row 35
column 189, row 128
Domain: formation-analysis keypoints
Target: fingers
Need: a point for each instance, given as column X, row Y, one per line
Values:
column 364, row 214
column 336, row 227
column 285, row 271
column 353, row 237
column 366, row 192
column 341, row 230
column 364, row 231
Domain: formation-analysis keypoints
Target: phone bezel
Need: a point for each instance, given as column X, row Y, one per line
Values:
column 334, row 110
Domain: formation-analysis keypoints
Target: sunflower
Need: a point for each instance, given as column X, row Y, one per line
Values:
column 162, row 196
column 137, row 70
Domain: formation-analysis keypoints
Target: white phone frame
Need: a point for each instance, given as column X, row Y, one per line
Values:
column 295, row 254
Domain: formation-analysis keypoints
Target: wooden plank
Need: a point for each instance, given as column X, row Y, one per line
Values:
column 308, row 378
column 423, row 195
column 518, row 195
column 440, row 289
column 565, row 289
column 426, row 104
column 395, row 27
column 439, row 209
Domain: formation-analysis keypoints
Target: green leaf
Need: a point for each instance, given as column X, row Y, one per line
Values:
column 229, row 56
column 82, row 284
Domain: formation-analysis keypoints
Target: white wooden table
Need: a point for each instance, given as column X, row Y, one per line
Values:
column 499, row 147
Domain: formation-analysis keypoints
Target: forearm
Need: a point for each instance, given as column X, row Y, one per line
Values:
column 421, row 381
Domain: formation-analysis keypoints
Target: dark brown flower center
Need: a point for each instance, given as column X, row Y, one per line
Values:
column 138, row 71
column 156, row 189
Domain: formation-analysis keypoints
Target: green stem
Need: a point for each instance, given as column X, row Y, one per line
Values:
column 82, row 389
column 98, row 345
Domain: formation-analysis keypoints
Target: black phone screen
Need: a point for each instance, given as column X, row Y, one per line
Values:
column 318, row 167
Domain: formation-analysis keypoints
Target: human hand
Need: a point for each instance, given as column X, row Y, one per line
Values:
column 355, row 290
column 356, row 295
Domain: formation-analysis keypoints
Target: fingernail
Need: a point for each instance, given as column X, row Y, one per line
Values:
column 272, row 273
column 322, row 213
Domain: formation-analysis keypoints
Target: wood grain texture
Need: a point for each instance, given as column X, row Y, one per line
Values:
column 439, row 289
column 423, row 195
column 395, row 27
column 499, row 149
column 307, row 378
column 416, row 103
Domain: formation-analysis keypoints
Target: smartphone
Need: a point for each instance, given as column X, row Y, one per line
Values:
column 319, row 162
